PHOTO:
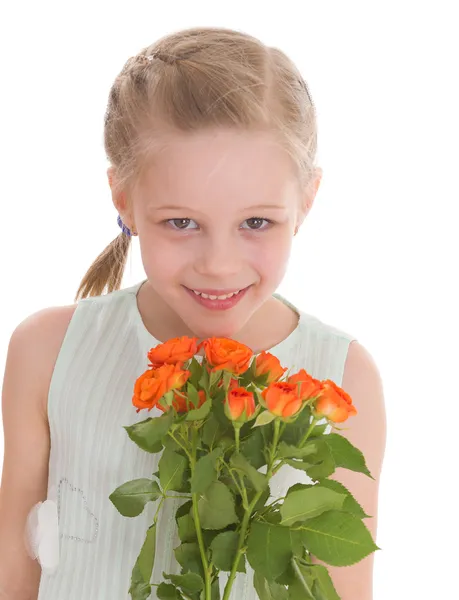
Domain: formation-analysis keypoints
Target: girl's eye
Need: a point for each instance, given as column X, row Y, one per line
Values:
column 180, row 223
column 256, row 223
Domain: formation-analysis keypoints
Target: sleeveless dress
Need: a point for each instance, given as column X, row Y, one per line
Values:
column 103, row 352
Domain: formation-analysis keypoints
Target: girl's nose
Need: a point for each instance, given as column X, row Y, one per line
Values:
column 218, row 257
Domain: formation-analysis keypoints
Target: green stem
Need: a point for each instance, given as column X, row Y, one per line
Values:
column 186, row 497
column 272, row 454
column 299, row 574
column 155, row 518
column 197, row 523
column 244, row 526
column 308, row 433
column 237, row 433
column 240, row 486
column 248, row 514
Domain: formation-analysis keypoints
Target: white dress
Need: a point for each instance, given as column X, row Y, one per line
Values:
column 103, row 352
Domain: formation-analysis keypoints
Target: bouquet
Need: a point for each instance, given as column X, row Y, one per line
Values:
column 229, row 421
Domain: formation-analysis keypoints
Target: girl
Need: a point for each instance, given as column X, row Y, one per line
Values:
column 211, row 138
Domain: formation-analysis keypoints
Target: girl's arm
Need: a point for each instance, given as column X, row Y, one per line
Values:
column 32, row 353
column 366, row 431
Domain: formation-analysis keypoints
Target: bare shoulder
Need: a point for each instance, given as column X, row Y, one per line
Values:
column 40, row 335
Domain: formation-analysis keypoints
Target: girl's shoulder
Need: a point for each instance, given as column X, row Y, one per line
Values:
column 42, row 334
column 45, row 332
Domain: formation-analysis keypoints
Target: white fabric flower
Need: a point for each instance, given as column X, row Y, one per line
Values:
column 42, row 535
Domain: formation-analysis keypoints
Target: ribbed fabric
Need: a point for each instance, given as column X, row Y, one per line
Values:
column 103, row 352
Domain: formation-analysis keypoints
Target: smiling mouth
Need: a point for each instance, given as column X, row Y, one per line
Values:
column 215, row 296
column 215, row 300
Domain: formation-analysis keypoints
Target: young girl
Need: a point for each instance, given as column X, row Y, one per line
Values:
column 211, row 138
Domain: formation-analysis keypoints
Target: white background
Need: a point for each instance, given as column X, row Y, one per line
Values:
column 377, row 256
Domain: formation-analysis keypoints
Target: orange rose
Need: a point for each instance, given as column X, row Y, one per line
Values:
column 333, row 403
column 226, row 354
column 281, row 399
column 239, row 405
column 180, row 403
column 308, row 386
column 268, row 363
column 179, row 349
column 151, row 386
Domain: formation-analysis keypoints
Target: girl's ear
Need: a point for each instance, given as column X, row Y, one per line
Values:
column 119, row 197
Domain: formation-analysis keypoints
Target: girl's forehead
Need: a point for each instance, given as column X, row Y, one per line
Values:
column 223, row 162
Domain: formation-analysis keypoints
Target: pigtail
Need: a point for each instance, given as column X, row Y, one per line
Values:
column 107, row 271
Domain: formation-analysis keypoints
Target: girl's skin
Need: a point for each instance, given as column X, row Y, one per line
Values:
column 220, row 180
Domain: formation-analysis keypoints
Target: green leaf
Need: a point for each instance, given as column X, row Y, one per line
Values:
column 350, row 504
column 346, row 455
column 264, row 418
column 257, row 479
column 215, row 590
column 172, row 468
column 324, row 583
column 338, row 538
column 204, row 380
column 186, row 528
column 140, row 588
column 183, row 509
column 318, row 465
column 195, row 370
column 216, row 507
column 193, row 396
column 268, row 590
column 253, row 448
column 171, row 444
column 149, row 433
column 205, row 471
column 224, row 547
column 189, row 557
column 270, row 548
column 167, row 591
column 146, row 558
column 260, row 504
column 131, row 497
column 293, row 432
column 189, row 583
column 197, row 414
column 319, row 430
column 286, row 451
column 212, row 431
column 309, row 503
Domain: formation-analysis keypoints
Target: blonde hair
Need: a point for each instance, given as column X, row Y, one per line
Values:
column 191, row 80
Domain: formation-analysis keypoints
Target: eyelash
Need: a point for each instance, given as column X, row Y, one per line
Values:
column 269, row 221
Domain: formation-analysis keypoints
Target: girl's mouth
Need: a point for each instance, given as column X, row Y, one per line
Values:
column 217, row 302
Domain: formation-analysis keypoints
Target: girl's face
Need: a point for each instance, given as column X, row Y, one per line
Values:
column 216, row 213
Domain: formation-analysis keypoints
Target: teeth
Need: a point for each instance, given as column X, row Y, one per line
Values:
column 225, row 297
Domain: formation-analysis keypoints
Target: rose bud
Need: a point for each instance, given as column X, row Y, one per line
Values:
column 239, row 405
column 334, row 403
